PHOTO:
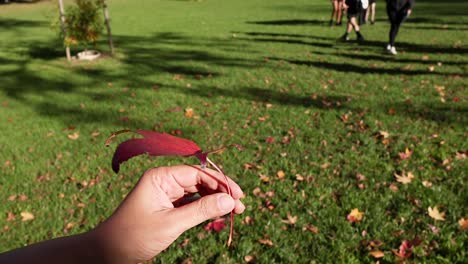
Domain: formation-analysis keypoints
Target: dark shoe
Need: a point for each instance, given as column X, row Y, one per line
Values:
column 339, row 23
column 360, row 38
column 331, row 23
column 372, row 22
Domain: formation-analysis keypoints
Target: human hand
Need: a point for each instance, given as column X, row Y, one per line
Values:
column 155, row 213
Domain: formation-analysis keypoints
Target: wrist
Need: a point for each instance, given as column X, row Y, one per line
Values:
column 108, row 244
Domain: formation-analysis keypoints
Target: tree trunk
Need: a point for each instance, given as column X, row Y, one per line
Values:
column 64, row 29
column 109, row 34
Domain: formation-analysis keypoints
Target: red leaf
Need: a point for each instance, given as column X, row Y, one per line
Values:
column 153, row 144
column 216, row 225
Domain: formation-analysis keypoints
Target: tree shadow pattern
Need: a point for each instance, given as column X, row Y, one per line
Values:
column 144, row 58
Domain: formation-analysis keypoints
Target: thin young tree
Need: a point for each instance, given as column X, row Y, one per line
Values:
column 64, row 29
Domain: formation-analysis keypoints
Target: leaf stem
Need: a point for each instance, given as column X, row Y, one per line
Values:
column 231, row 227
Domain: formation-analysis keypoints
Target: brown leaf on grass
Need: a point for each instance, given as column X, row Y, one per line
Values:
column 406, row 248
column 460, row 155
column 247, row 220
column 404, row 178
column 266, row 241
column 384, row 134
column 188, row 112
column 405, row 155
column 270, row 140
column 375, row 243
column 427, row 184
column 12, row 197
column 377, row 254
column 434, row 229
column 280, row 174
column 26, row 216
column 263, row 177
column 463, row 224
column 311, row 228
column 393, row 187
column 95, row 134
column 291, row 220
column 249, row 259
column 435, row 214
column 10, row 217
column 74, row 136
column 7, row 163
column 355, row 216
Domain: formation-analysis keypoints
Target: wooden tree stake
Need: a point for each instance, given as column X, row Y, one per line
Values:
column 109, row 34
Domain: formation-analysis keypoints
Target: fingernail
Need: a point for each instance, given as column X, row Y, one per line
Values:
column 225, row 203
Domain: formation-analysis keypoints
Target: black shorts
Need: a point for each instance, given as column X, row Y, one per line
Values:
column 353, row 12
column 371, row 2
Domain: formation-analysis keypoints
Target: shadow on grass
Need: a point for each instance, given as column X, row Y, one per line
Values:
column 436, row 112
column 418, row 47
column 145, row 57
column 347, row 67
column 288, row 22
column 266, row 96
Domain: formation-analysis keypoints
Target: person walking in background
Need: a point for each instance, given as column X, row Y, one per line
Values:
column 337, row 12
column 353, row 11
column 397, row 11
column 371, row 12
column 364, row 6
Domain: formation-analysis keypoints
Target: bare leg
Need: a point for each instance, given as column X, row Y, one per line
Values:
column 368, row 10
column 372, row 12
column 334, row 11
column 353, row 24
column 339, row 14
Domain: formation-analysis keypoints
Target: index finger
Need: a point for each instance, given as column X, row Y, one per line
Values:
column 190, row 177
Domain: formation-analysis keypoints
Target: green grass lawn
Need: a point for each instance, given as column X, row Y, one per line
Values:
column 268, row 75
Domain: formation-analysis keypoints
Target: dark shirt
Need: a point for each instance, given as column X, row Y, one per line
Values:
column 400, row 5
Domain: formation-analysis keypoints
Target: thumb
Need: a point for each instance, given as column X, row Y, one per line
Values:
column 205, row 208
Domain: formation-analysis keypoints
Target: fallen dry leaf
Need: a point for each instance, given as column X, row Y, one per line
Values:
column 266, row 241
column 404, row 178
column 405, row 155
column 355, row 216
column 10, row 217
column 74, row 136
column 384, row 134
column 280, row 174
column 291, row 220
column 26, row 216
column 435, row 214
column 406, row 248
column 463, row 224
column 311, row 228
column 427, row 184
column 434, row 229
column 377, row 254
column 249, row 259
column 188, row 112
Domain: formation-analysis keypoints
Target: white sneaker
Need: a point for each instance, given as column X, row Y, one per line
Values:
column 389, row 47
column 393, row 51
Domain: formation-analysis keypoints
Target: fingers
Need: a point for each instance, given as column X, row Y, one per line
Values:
column 191, row 177
column 205, row 208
